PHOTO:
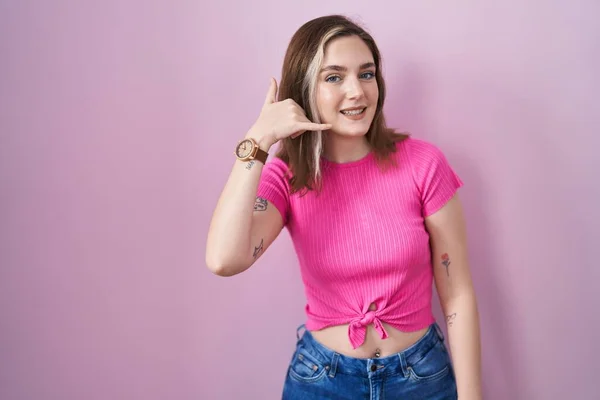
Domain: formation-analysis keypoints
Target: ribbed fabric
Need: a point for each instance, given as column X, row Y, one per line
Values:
column 362, row 240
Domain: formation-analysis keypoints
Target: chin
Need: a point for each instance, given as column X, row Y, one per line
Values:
column 349, row 132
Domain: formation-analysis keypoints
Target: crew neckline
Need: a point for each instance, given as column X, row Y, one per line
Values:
column 349, row 164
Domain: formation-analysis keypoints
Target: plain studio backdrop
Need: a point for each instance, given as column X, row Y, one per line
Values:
column 118, row 121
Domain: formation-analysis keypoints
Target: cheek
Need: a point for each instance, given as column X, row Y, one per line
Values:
column 373, row 93
column 326, row 100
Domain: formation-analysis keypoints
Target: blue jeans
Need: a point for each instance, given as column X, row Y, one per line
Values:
column 423, row 372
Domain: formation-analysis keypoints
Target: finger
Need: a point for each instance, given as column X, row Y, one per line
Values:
column 310, row 126
column 295, row 135
column 272, row 92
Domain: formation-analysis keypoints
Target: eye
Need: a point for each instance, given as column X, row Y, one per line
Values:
column 331, row 78
column 368, row 75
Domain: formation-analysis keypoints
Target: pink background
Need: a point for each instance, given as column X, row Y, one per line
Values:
column 117, row 124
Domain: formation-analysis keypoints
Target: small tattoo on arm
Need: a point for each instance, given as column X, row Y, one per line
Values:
column 450, row 319
column 258, row 249
column 446, row 262
column 250, row 165
column 260, row 204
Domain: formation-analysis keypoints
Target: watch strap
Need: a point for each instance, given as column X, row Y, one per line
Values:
column 261, row 155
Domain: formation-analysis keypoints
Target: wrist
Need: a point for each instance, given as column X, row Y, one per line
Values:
column 263, row 142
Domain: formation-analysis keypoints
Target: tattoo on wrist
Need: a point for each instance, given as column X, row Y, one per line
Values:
column 250, row 165
column 450, row 319
column 446, row 262
column 260, row 204
column 258, row 249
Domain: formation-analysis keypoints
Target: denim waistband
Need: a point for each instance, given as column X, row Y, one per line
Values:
column 390, row 365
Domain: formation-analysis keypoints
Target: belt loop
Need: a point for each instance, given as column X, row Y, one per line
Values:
column 439, row 331
column 298, row 331
column 334, row 363
column 403, row 364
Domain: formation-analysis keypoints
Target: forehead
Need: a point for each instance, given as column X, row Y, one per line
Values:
column 347, row 51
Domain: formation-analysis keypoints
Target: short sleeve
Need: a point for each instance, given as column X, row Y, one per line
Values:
column 274, row 186
column 435, row 178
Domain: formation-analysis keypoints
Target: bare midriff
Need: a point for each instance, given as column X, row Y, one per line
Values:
column 336, row 339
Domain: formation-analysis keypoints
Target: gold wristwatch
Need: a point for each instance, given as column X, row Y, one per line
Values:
column 248, row 150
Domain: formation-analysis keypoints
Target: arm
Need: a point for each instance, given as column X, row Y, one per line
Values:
column 243, row 226
column 447, row 232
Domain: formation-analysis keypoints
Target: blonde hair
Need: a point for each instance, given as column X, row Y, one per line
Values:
column 309, row 85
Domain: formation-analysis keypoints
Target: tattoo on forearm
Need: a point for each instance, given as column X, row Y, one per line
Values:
column 258, row 249
column 450, row 319
column 260, row 204
column 446, row 262
column 250, row 165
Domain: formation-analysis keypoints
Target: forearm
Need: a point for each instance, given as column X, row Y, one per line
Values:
column 462, row 320
column 228, row 249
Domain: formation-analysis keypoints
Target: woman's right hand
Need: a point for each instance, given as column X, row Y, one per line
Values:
column 281, row 119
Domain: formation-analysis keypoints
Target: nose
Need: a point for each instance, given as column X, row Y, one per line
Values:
column 354, row 89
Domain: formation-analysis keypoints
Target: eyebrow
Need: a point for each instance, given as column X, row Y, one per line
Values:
column 344, row 69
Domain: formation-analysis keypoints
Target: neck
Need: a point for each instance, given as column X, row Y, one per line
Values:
column 344, row 149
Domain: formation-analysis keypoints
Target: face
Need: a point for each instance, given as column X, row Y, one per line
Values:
column 347, row 91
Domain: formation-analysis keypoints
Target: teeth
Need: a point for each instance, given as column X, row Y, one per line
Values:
column 353, row 112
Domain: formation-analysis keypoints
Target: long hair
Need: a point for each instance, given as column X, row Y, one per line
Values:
column 301, row 65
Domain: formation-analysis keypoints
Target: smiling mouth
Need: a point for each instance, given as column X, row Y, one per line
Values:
column 354, row 112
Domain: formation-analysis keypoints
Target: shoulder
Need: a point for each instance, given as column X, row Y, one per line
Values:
column 276, row 166
column 427, row 161
column 421, row 154
column 276, row 172
column 418, row 147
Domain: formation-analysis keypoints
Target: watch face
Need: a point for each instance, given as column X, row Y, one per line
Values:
column 244, row 149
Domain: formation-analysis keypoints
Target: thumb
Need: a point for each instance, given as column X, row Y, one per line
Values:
column 271, row 93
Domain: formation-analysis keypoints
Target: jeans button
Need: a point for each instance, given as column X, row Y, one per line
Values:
column 373, row 368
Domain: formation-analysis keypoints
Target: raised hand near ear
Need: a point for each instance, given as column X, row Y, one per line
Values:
column 281, row 119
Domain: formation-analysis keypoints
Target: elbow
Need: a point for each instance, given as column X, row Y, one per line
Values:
column 223, row 268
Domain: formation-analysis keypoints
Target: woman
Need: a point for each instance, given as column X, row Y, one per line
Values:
column 374, row 219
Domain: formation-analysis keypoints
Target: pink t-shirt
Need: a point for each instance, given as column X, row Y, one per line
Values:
column 362, row 240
